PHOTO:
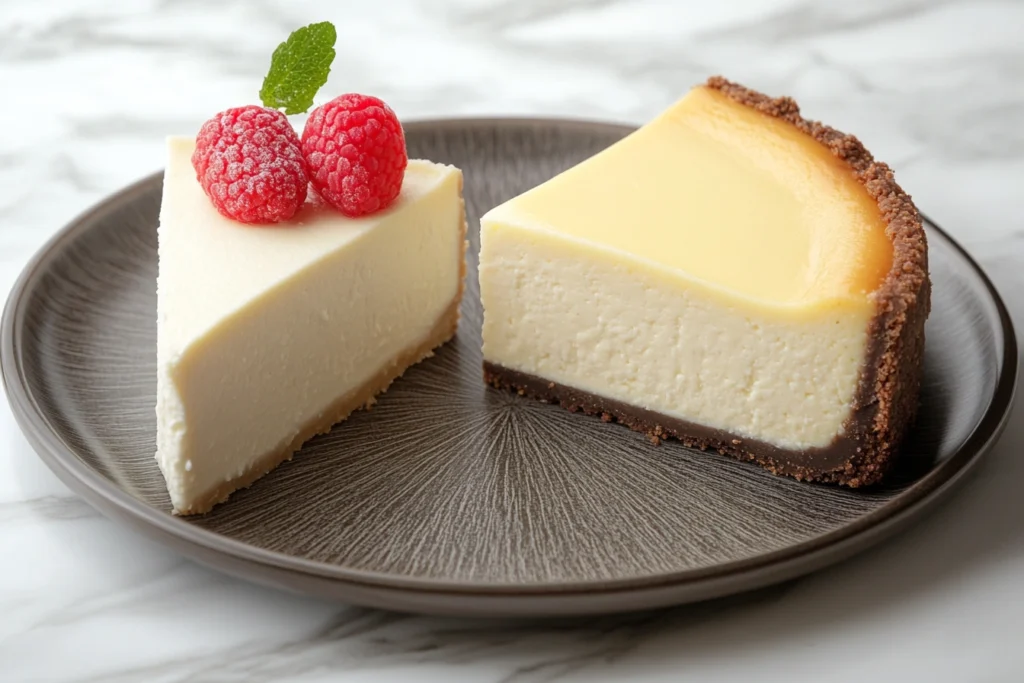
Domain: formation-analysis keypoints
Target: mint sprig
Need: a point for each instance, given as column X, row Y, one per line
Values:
column 299, row 67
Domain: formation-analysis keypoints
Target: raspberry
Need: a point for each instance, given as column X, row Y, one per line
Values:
column 250, row 164
column 355, row 152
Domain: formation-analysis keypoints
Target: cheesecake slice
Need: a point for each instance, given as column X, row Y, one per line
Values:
column 268, row 335
column 731, row 275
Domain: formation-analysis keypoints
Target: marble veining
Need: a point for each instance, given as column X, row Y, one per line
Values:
column 934, row 87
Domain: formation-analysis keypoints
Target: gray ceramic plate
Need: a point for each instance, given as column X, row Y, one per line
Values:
column 453, row 498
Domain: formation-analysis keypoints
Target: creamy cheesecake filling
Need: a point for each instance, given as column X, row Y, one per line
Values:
column 616, row 326
column 354, row 399
column 262, row 330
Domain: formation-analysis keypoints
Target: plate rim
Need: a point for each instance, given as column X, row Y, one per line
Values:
column 193, row 540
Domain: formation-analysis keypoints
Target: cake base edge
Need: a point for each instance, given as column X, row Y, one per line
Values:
column 842, row 462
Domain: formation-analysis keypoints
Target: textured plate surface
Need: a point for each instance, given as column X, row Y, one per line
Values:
column 452, row 497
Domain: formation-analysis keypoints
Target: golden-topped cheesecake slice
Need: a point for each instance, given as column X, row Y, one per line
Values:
column 731, row 275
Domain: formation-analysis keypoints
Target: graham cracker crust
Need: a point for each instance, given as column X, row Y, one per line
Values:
column 361, row 397
column 809, row 464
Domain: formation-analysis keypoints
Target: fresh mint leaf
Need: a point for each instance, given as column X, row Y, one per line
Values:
column 299, row 67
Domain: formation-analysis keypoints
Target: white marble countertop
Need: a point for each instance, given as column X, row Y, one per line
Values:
column 935, row 87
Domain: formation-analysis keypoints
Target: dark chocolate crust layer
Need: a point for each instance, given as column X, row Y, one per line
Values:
column 807, row 464
column 886, row 399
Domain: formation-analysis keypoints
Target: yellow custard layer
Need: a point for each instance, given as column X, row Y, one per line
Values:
column 740, row 200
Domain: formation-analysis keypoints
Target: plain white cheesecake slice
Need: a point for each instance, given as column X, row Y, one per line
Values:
column 268, row 335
